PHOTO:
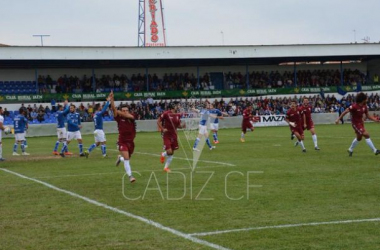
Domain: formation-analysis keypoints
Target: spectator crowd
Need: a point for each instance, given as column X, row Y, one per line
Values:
column 187, row 81
column 149, row 109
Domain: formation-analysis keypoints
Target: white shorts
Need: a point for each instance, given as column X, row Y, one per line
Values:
column 1, row 135
column 214, row 126
column 20, row 136
column 61, row 133
column 202, row 129
column 99, row 135
column 74, row 135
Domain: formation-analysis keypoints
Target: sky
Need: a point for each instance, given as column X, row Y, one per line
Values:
column 192, row 22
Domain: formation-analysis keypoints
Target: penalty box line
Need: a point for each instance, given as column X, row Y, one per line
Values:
column 116, row 172
column 286, row 226
column 180, row 158
column 116, row 210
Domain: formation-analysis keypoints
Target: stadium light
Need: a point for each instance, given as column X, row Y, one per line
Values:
column 41, row 36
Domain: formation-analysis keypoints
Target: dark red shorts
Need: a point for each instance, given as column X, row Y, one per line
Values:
column 246, row 125
column 127, row 146
column 358, row 128
column 297, row 129
column 309, row 125
column 170, row 141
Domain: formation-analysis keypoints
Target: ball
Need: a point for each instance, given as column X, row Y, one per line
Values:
column 7, row 130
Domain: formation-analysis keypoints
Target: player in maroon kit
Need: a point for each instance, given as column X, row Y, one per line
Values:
column 293, row 118
column 358, row 110
column 248, row 119
column 307, row 121
column 168, row 122
column 127, row 133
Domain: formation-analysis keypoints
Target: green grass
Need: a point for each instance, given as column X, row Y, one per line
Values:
column 292, row 187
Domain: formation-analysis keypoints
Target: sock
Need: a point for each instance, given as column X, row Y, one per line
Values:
column 67, row 147
column 315, row 140
column 353, row 145
column 164, row 154
column 370, row 144
column 56, row 146
column 215, row 135
column 22, row 147
column 25, row 143
column 91, row 147
column 301, row 143
column 1, row 151
column 104, row 149
column 80, row 145
column 242, row 135
column 127, row 167
column 208, row 143
column 64, row 147
column 15, row 146
column 168, row 161
column 196, row 142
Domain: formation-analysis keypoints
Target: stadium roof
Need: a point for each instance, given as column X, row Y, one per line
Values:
column 130, row 57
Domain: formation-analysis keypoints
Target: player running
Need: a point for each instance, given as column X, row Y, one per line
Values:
column 100, row 137
column 168, row 122
column 63, row 110
column 294, row 118
column 307, row 121
column 358, row 110
column 247, row 122
column 1, row 133
column 127, row 132
column 214, row 124
column 205, row 114
column 73, row 127
column 19, row 124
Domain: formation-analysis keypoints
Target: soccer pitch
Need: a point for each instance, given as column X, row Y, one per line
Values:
column 261, row 194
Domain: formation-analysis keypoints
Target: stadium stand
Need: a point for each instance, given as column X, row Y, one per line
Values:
column 146, row 110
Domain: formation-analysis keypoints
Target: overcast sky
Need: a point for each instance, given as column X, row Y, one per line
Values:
column 192, row 22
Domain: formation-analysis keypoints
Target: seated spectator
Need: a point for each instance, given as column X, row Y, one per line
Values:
column 40, row 116
column 6, row 112
column 33, row 115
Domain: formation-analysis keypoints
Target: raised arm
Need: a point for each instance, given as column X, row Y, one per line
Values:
column 113, row 107
column 118, row 112
column 104, row 109
column 67, row 108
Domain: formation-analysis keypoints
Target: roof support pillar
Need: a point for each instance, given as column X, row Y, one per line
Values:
column 341, row 73
column 247, row 76
column 295, row 74
column 147, row 78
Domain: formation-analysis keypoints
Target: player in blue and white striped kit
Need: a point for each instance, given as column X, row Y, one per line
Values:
column 73, row 127
column 19, row 125
column 214, row 123
column 100, row 137
column 63, row 110
column 205, row 114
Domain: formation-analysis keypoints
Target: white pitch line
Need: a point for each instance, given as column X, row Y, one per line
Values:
column 180, row 158
column 118, row 172
column 286, row 226
column 116, row 210
column 75, row 175
column 187, row 159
